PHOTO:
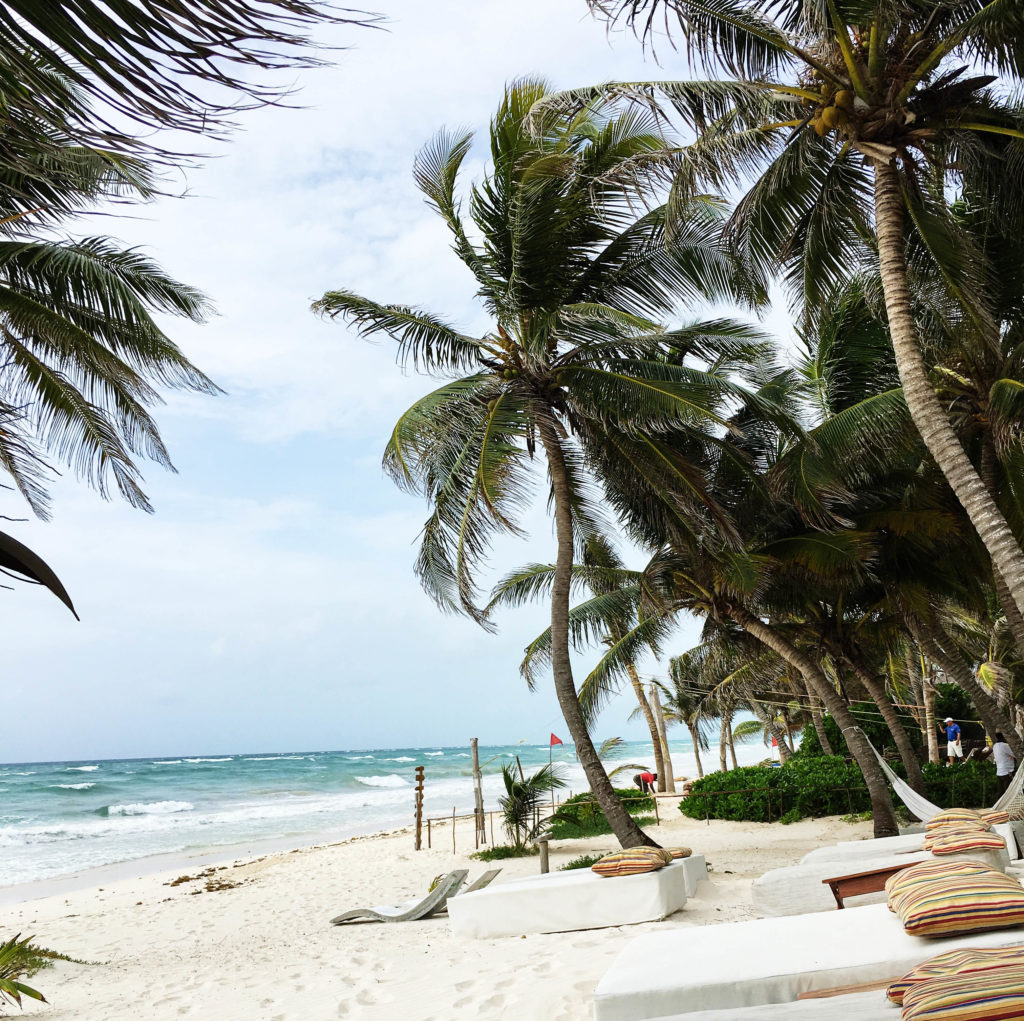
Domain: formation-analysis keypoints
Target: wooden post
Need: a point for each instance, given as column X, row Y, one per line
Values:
column 543, row 845
column 492, row 829
column 478, row 796
column 418, row 801
column 428, row 832
column 453, row 829
column 657, row 818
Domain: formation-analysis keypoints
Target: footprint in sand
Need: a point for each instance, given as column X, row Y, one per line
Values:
column 365, row 998
column 462, row 986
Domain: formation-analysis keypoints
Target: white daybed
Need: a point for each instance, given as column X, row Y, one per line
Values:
column 870, row 1006
column 768, row 960
column 578, row 899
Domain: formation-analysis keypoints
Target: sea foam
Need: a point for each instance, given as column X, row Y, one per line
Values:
column 391, row 780
column 151, row 808
column 79, row 769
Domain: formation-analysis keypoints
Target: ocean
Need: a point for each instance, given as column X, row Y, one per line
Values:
column 58, row 818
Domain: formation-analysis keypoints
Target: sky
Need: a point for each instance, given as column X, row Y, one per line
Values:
column 269, row 603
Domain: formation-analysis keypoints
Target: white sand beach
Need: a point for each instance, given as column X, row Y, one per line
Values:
column 261, row 948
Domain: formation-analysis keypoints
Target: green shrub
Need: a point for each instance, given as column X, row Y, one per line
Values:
column 581, row 816
column 812, row 786
column 965, row 785
column 791, row 816
column 584, row 861
column 501, row 851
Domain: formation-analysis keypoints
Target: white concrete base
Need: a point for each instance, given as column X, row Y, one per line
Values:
column 566, row 901
column 870, row 1006
column 695, row 871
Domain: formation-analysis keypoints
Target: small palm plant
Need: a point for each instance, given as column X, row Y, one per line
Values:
column 522, row 800
column 15, row 961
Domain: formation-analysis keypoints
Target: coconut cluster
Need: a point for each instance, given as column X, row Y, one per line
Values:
column 832, row 111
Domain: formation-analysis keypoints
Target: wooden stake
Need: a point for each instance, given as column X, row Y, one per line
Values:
column 418, row 802
column 478, row 796
column 453, row 829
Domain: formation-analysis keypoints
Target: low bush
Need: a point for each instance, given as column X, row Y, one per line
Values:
column 813, row 786
column 581, row 816
column 501, row 851
column 819, row 785
column 584, row 861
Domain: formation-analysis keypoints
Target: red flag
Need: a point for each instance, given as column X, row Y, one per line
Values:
column 555, row 740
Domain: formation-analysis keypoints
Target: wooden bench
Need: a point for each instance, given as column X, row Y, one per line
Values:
column 860, row 882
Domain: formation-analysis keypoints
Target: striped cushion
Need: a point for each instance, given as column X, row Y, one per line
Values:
column 946, row 831
column 956, row 962
column 966, row 905
column 630, row 862
column 952, row 816
column 994, row 818
column 996, row 995
column 659, row 852
column 679, row 852
column 957, row 843
column 929, row 871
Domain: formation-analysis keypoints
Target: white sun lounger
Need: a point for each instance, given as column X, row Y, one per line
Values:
column 566, row 901
column 904, row 843
column 768, row 960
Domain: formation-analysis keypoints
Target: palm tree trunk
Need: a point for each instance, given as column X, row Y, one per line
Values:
column 876, row 689
column 695, row 738
column 929, row 637
column 732, row 745
column 878, row 787
column 816, row 717
column 989, row 475
column 666, row 755
column 622, row 823
column 722, row 763
column 924, row 406
column 652, row 726
column 927, row 702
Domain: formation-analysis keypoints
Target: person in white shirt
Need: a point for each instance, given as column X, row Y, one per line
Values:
column 1003, row 756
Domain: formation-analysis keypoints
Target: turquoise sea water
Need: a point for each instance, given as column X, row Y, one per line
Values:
column 61, row 817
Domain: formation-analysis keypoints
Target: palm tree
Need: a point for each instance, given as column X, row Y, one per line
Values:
column 855, row 120
column 572, row 274
column 82, row 358
column 523, row 798
column 683, row 706
column 612, row 616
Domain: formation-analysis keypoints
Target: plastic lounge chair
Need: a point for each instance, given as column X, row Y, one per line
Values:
column 478, row 884
column 412, row 909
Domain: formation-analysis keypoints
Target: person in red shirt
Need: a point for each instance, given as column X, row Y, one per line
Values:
column 645, row 781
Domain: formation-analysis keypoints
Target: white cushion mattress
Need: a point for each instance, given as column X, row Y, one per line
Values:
column 870, row 1006
column 768, row 960
column 565, row 901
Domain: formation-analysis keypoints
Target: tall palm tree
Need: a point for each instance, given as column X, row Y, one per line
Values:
column 613, row 616
column 683, row 705
column 855, row 119
column 573, row 275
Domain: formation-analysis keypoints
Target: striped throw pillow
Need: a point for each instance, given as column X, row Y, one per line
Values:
column 958, row 843
column 970, row 904
column 955, row 816
column 929, row 871
column 660, row 852
column 679, row 852
column 630, row 862
column 994, row 818
column 956, row 962
column 996, row 995
column 930, row 839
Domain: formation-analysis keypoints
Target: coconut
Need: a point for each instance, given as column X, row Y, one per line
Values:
column 844, row 99
column 820, row 127
column 831, row 116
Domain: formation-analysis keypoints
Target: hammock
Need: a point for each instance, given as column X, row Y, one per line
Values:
column 1011, row 801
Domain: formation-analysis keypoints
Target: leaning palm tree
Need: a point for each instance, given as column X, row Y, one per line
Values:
column 856, row 120
column 576, row 278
